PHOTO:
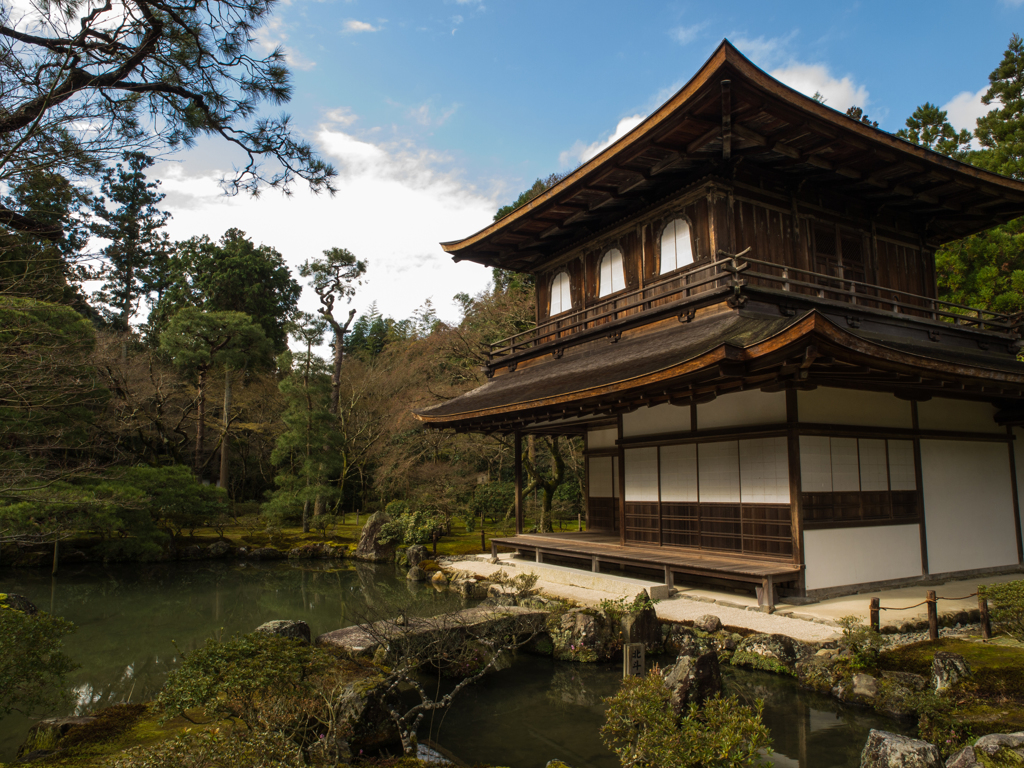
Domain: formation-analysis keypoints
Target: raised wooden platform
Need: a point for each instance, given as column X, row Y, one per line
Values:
column 605, row 548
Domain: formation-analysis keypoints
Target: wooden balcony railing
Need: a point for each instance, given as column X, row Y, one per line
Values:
column 737, row 272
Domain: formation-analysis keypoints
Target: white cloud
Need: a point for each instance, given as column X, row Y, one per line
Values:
column 765, row 52
column 686, row 35
column 580, row 152
column 964, row 109
column 394, row 204
column 340, row 117
column 839, row 93
column 275, row 35
column 457, row 19
column 772, row 54
column 428, row 115
column 352, row 25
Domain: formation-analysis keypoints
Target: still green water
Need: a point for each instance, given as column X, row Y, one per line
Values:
column 134, row 622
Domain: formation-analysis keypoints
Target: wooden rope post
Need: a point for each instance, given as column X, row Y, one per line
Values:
column 933, row 615
column 986, row 624
column 873, row 610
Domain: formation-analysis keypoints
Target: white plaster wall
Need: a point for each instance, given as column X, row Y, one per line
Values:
column 602, row 438
column 958, row 415
column 656, row 420
column 828, row 405
column 1018, row 461
column 741, row 409
column 968, row 505
column 840, row 556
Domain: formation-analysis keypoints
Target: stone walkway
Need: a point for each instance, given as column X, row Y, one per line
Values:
column 815, row 622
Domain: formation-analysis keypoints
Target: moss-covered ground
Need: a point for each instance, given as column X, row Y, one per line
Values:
column 992, row 699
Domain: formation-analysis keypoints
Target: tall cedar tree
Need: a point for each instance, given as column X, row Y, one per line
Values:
column 136, row 258
column 231, row 275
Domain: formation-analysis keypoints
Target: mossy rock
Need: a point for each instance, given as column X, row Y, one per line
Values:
column 429, row 566
column 17, row 603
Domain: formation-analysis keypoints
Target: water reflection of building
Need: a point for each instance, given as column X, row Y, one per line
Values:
column 737, row 310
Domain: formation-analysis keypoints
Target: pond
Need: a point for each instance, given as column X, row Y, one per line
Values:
column 135, row 621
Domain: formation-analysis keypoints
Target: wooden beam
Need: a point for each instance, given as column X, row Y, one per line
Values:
column 726, row 119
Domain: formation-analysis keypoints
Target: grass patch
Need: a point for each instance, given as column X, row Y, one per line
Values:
column 992, row 699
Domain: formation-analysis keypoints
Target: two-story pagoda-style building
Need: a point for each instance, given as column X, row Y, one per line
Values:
column 737, row 309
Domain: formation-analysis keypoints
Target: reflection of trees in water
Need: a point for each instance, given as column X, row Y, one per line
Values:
column 568, row 687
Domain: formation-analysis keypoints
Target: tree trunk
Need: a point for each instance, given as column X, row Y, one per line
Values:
column 224, row 451
column 305, row 516
column 200, row 421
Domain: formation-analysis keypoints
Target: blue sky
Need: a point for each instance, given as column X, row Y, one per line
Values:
column 436, row 112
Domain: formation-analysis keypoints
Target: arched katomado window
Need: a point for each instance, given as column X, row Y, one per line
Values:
column 676, row 246
column 561, row 299
column 611, row 277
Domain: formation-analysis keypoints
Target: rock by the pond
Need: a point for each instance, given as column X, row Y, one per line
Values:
column 439, row 579
column 965, row 758
column 191, row 552
column 771, row 653
column 470, row 589
column 369, row 548
column 415, row 554
column 708, row 623
column 267, row 553
column 643, row 627
column 298, row 630
column 865, row 686
column 583, row 634
column 18, row 603
column 693, row 679
column 363, row 707
column 219, row 549
column 993, row 742
column 948, row 669
column 316, row 551
column 890, row 750
column 416, row 574
column 44, row 736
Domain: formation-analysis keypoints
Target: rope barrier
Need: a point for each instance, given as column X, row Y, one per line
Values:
column 925, row 602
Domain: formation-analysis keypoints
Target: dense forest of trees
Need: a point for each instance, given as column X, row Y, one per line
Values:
column 189, row 387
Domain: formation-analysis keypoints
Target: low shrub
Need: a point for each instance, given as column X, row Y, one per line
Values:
column 641, row 729
column 203, row 749
column 861, row 641
column 33, row 665
column 1006, row 607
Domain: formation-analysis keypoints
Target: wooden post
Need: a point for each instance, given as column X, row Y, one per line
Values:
column 632, row 660
column 986, row 624
column 579, row 521
column 874, row 613
column 518, row 449
column 56, row 556
column 933, row 616
column 483, row 542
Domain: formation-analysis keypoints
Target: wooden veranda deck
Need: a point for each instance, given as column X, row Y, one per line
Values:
column 600, row 548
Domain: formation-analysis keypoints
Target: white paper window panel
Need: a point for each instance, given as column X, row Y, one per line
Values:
column 719, row 472
column 676, row 249
column 561, row 298
column 602, row 438
column 611, row 277
column 902, row 475
column 815, row 464
column 642, row 474
column 764, row 471
column 679, row 473
column 845, row 464
column 874, row 470
column 602, row 477
column 656, row 420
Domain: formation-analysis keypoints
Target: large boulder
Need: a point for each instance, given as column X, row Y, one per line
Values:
column 416, row 574
column 890, row 750
column 267, row 553
column 18, row 603
column 772, row 653
column 363, row 707
column 708, row 623
column 219, row 549
column 585, row 635
column 298, row 630
column 415, row 555
column 693, row 679
column 371, row 550
column 948, row 669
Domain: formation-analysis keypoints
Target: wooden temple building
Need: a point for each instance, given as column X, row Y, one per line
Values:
column 737, row 310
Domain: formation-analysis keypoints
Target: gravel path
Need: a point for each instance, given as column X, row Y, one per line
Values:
column 679, row 608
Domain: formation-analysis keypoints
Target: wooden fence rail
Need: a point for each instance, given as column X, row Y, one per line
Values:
column 931, row 600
